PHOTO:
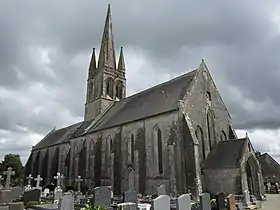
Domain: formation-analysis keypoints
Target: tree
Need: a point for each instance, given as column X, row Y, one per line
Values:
column 13, row 161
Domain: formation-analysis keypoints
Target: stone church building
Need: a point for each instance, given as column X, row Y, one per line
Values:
column 178, row 133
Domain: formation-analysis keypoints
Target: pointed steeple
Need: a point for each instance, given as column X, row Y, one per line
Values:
column 121, row 65
column 92, row 65
column 202, row 65
column 107, row 57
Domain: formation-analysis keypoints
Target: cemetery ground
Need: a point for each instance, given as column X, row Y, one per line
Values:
column 272, row 203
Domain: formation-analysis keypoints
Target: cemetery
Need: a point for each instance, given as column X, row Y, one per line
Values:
column 102, row 197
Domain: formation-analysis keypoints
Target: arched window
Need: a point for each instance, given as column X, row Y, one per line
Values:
column 199, row 136
column 109, row 87
column 223, row 136
column 159, row 143
column 132, row 148
column 211, row 129
column 119, row 89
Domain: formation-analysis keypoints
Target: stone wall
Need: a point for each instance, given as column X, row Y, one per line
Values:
column 222, row 180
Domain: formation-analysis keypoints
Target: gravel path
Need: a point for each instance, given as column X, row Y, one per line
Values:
column 272, row 202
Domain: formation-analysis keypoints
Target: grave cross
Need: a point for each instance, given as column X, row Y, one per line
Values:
column 29, row 178
column 79, row 180
column 38, row 180
column 8, row 173
column 58, row 178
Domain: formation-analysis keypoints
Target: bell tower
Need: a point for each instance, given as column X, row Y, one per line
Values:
column 106, row 82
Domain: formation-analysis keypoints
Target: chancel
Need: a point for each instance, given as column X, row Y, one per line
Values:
column 178, row 134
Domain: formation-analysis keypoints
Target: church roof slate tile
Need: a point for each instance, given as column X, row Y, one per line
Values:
column 155, row 100
column 58, row 136
column 226, row 154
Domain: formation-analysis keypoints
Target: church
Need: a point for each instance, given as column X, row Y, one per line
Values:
column 178, row 133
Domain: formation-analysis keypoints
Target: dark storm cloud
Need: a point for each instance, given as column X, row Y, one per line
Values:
column 237, row 39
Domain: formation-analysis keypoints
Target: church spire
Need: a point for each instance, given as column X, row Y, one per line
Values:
column 107, row 57
column 92, row 65
column 121, row 65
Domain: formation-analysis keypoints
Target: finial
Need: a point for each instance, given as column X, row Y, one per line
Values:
column 246, row 135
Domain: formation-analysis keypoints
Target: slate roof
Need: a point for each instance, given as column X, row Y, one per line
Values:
column 58, row 136
column 226, row 154
column 156, row 100
column 269, row 165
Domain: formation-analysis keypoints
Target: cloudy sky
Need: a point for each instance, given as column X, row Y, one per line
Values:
column 45, row 49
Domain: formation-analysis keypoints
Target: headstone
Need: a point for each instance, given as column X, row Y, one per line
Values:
column 78, row 181
column 5, row 196
column 184, row 202
column 46, row 192
column 58, row 192
column 17, row 206
column 66, row 203
column 127, row 206
column 231, row 202
column 161, row 190
column 17, row 192
column 29, row 178
column 162, row 202
column 8, row 174
column 130, row 196
column 102, row 196
column 38, row 180
column 221, row 201
column 205, row 202
column 31, row 195
column 247, row 197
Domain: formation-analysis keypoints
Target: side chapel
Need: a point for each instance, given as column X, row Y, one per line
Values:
column 178, row 133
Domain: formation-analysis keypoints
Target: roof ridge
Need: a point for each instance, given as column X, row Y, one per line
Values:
column 161, row 84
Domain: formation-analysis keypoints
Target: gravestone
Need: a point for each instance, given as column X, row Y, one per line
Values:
column 29, row 178
column 102, row 196
column 130, row 196
column 58, row 192
column 161, row 190
column 221, row 201
column 38, row 180
column 127, row 206
column 17, row 192
column 8, row 174
column 5, row 196
column 78, row 181
column 205, row 202
column 162, row 202
column 31, row 195
column 184, row 202
column 66, row 202
column 247, row 198
column 17, row 206
column 231, row 202
column 46, row 192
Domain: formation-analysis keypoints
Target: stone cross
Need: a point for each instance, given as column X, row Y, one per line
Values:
column 58, row 178
column 79, row 180
column 8, row 173
column 29, row 178
column 38, row 180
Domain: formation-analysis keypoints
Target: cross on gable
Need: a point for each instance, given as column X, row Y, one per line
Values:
column 8, row 173
column 38, row 180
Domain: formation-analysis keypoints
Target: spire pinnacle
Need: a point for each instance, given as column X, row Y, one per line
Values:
column 202, row 65
column 92, row 65
column 121, row 65
column 107, row 55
